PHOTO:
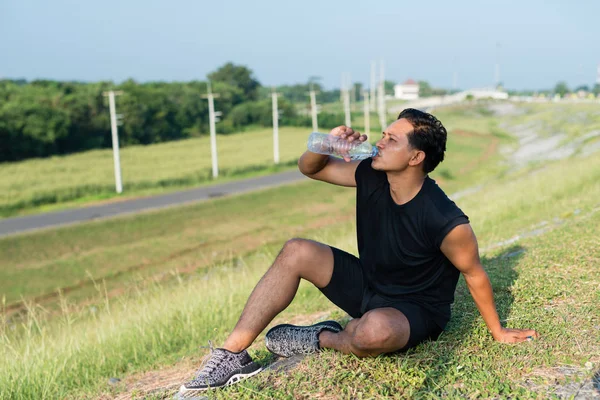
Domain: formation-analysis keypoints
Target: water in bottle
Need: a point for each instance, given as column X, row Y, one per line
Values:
column 323, row 143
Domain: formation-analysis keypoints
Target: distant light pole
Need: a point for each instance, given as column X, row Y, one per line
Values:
column 115, row 137
column 313, row 110
column 367, row 111
column 381, row 102
column 275, row 126
column 346, row 97
column 212, row 119
column 353, row 99
column 373, row 84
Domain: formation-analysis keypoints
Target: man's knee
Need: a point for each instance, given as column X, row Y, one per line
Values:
column 368, row 337
column 310, row 260
column 294, row 251
column 375, row 335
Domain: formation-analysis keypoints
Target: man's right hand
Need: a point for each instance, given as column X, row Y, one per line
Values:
column 349, row 134
column 332, row 169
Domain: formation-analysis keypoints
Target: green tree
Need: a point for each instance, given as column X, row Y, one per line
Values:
column 237, row 76
column 425, row 89
column 88, row 114
column 33, row 120
column 358, row 89
column 561, row 88
column 388, row 87
column 297, row 93
column 259, row 113
column 596, row 89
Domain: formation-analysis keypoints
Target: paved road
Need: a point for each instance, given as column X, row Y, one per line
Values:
column 10, row 226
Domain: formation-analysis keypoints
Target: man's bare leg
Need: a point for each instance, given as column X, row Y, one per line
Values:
column 299, row 258
column 383, row 330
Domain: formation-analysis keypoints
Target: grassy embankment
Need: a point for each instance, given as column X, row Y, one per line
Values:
column 68, row 181
column 54, row 183
column 550, row 282
column 188, row 238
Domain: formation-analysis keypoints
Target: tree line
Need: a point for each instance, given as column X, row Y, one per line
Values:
column 42, row 118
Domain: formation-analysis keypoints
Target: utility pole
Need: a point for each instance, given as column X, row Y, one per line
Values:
column 354, row 98
column 212, row 119
column 381, row 102
column 373, row 84
column 367, row 111
column 313, row 110
column 346, row 101
column 115, row 137
column 350, row 89
column 275, row 126
column 347, row 108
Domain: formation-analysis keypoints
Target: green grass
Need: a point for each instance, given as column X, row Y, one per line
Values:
column 187, row 238
column 77, row 180
column 135, row 247
column 533, row 289
column 33, row 185
column 540, row 282
column 550, row 118
column 200, row 263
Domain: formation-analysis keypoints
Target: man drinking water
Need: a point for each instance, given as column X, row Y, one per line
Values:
column 413, row 243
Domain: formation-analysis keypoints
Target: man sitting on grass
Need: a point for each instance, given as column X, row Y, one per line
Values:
column 413, row 242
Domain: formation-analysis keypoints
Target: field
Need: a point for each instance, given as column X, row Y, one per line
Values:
column 39, row 185
column 58, row 182
column 140, row 294
column 191, row 237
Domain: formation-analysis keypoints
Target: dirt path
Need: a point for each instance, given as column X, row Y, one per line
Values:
column 164, row 383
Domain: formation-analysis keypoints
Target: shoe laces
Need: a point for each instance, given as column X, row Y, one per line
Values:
column 211, row 361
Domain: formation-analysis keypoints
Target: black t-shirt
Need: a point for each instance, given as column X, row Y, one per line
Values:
column 399, row 245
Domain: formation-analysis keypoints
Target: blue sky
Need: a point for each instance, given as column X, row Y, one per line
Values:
column 284, row 42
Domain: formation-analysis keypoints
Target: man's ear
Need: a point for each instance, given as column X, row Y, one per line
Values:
column 417, row 158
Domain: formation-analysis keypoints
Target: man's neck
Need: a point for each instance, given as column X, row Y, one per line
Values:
column 404, row 186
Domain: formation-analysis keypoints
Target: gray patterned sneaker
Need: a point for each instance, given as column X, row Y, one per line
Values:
column 221, row 368
column 286, row 340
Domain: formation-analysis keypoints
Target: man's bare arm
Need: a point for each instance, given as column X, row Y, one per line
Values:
column 332, row 169
column 460, row 246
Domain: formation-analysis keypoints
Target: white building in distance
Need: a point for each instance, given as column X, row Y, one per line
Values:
column 408, row 90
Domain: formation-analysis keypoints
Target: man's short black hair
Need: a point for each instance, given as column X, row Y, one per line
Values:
column 428, row 135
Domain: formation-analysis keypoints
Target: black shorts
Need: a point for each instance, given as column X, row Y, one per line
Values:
column 348, row 290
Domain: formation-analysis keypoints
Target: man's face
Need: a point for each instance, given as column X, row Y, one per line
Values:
column 394, row 150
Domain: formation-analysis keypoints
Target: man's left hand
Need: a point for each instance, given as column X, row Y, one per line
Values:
column 507, row 335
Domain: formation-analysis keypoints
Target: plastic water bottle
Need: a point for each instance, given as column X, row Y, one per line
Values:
column 323, row 143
